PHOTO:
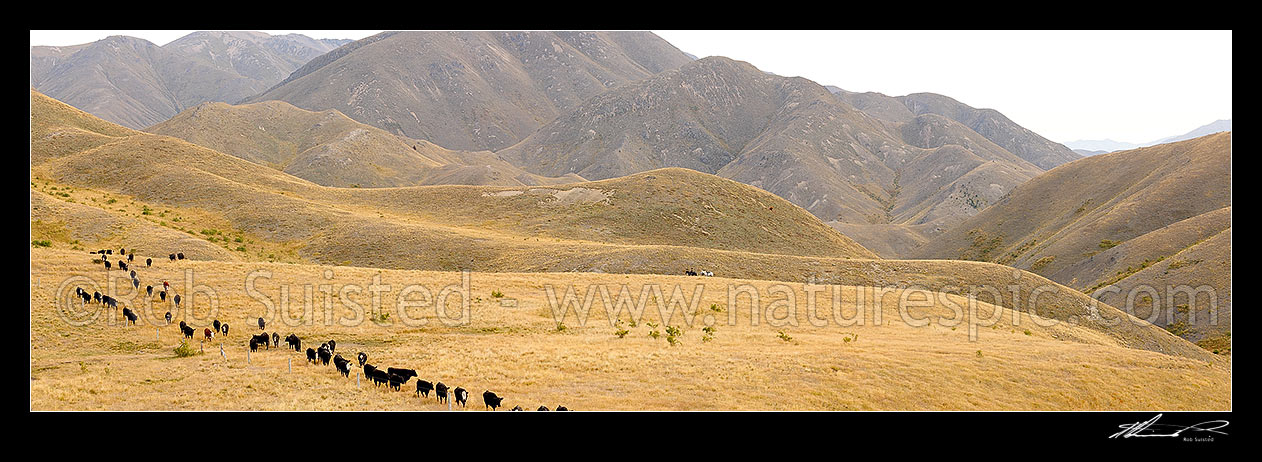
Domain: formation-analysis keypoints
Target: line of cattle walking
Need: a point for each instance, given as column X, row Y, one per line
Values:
column 392, row 377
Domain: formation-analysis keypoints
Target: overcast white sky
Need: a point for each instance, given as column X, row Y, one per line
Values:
column 1133, row 86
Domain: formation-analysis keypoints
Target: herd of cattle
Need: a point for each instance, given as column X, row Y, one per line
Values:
column 394, row 378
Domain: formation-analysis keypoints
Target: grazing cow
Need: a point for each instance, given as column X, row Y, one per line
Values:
column 275, row 339
column 423, row 388
column 131, row 257
column 122, row 251
column 263, row 340
column 462, row 396
column 131, row 317
column 562, row 408
column 209, row 335
column 182, row 324
column 542, row 408
column 215, row 323
column 163, row 295
column 293, row 342
column 111, row 301
column 311, row 355
column 171, row 256
column 325, row 356
column 133, row 274
column 96, row 297
column 149, row 290
column 148, row 262
column 491, row 400
column 225, row 329
column 254, row 344
column 379, row 377
column 166, row 286
column 177, row 300
column 363, row 358
column 690, row 273
column 262, row 324
column 332, row 345
column 135, row 283
column 107, row 265
column 109, row 252
column 440, row 390
column 122, row 265
column 517, row 408
column 407, row 374
column 86, row 298
column 169, row 318
column 188, row 331
column 180, row 255
column 396, row 382
column 369, row 370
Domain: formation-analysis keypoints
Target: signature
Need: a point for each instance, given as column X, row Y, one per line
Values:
column 1151, row 428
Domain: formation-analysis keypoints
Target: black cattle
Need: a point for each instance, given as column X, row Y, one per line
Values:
column 182, row 324
column 171, row 256
column 407, row 374
column 517, row 408
column 169, row 318
column 378, row 377
column 262, row 324
column 122, row 251
column 275, row 339
column 690, row 273
column 542, row 408
column 254, row 344
column 131, row 257
column 135, row 283
column 148, row 262
column 423, row 388
column 149, row 290
column 369, row 370
column 343, row 366
column 122, row 265
column 491, row 400
column 96, row 296
column 462, row 396
column 86, row 298
column 325, row 356
column 263, row 340
column 131, row 317
column 133, row 274
column 396, row 382
column 177, row 300
column 225, row 329
column 311, row 355
column 162, row 295
column 188, row 331
column 215, row 323
column 440, row 391
column 293, row 342
column 363, row 358
column 109, row 252
column 562, row 408
column 180, row 255
column 107, row 265
column 111, row 301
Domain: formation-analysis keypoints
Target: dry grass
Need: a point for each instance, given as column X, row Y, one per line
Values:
column 518, row 353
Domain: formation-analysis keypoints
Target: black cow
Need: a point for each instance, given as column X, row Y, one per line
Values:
column 96, row 296
column 131, row 317
column 517, row 408
column 325, row 356
column 262, row 324
column 149, row 290
column 379, row 377
column 311, row 355
column 491, row 400
column 440, row 391
column 131, row 257
column 133, row 274
column 169, row 318
column 343, row 365
column 254, row 344
column 542, row 408
column 225, row 329
column 148, row 262
column 180, row 255
column 188, row 331
column 177, row 300
column 122, row 251
column 363, row 358
column 407, row 374
column 332, row 345
column 263, row 340
column 122, row 265
column 162, row 295
column 275, row 339
column 182, row 324
column 462, row 396
column 135, row 283
column 216, row 324
column 396, row 382
column 107, row 265
column 562, row 408
column 294, row 342
column 423, row 388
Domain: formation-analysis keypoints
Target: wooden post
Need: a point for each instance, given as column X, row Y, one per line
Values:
column 290, row 361
column 247, row 356
column 159, row 331
column 356, row 379
column 221, row 353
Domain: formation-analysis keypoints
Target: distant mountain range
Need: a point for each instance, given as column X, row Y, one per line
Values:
column 135, row 83
column 1094, row 147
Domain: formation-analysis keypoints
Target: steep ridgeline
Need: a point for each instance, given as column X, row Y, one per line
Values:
column 472, row 90
column 330, row 149
column 788, row 136
column 988, row 123
column 1150, row 217
column 135, row 83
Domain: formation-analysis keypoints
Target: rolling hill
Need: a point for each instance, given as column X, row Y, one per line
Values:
column 135, row 83
column 658, row 222
column 330, row 149
column 1116, row 221
column 471, row 90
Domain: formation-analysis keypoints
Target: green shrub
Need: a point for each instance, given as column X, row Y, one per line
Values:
column 185, row 350
column 38, row 243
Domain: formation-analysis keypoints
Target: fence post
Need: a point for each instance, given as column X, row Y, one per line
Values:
column 290, row 361
column 159, row 333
